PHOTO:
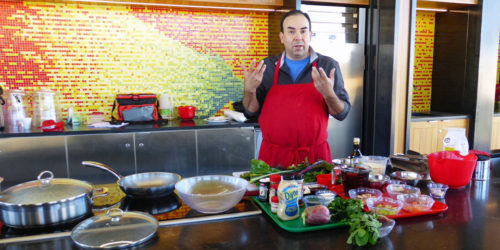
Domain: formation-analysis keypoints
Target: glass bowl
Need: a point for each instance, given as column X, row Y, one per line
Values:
column 327, row 195
column 396, row 189
column 377, row 181
column 416, row 203
column 211, row 194
column 408, row 177
column 437, row 190
column 384, row 206
column 363, row 193
column 387, row 225
column 314, row 200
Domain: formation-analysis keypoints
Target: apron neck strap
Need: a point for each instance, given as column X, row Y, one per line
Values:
column 277, row 70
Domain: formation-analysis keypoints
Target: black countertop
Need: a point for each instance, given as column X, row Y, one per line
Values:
column 144, row 127
column 471, row 222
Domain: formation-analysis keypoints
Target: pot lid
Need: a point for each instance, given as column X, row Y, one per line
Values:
column 115, row 229
column 44, row 190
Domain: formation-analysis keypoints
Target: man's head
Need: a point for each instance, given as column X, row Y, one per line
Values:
column 296, row 34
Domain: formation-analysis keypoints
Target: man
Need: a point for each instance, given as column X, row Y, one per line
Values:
column 294, row 95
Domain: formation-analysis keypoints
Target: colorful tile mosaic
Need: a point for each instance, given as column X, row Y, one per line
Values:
column 90, row 52
column 422, row 70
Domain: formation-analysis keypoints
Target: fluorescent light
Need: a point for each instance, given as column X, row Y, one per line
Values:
column 433, row 10
column 172, row 5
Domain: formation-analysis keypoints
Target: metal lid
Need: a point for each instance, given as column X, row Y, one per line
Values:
column 44, row 190
column 115, row 229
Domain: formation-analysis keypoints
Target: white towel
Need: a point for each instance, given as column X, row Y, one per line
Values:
column 237, row 116
column 106, row 125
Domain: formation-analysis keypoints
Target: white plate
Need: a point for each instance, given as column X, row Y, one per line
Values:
column 217, row 119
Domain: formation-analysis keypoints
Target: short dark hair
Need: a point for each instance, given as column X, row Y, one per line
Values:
column 295, row 12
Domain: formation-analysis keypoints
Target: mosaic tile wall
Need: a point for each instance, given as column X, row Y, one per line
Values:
column 422, row 70
column 90, row 52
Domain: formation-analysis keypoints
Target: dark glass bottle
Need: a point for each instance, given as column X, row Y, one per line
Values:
column 355, row 155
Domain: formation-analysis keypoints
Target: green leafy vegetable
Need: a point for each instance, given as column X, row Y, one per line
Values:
column 363, row 227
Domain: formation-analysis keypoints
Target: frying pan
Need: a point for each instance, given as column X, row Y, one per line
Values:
column 148, row 185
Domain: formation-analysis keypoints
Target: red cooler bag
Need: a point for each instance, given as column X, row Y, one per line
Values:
column 135, row 108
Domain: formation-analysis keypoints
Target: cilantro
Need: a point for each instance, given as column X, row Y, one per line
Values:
column 363, row 227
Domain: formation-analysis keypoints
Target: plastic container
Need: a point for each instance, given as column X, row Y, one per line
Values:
column 363, row 194
column 437, row 190
column 451, row 168
column 314, row 200
column 396, row 189
column 377, row 163
column 45, row 107
column 166, row 107
column 187, row 112
column 328, row 195
column 384, row 206
column 416, row 203
column 14, row 109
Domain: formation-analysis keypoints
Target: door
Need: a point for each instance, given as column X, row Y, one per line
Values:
column 114, row 150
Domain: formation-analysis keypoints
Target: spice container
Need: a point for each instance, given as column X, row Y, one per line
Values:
column 274, row 180
column 274, row 204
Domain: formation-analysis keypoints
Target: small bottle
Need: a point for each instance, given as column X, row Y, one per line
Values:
column 356, row 152
column 274, row 204
column 263, row 191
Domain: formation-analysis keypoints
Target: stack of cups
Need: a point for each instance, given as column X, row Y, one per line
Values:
column 166, row 107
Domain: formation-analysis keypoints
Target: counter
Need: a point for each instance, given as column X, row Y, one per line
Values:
column 141, row 127
column 434, row 116
column 471, row 222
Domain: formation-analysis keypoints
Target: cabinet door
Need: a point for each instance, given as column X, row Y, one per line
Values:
column 114, row 150
column 443, row 129
column 223, row 151
column 23, row 158
column 423, row 136
column 495, row 135
column 167, row 151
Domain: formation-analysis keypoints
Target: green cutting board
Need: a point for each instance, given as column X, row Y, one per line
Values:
column 296, row 225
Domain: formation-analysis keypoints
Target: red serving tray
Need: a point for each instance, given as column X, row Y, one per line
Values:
column 438, row 206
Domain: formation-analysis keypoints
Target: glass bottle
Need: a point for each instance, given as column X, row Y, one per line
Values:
column 355, row 155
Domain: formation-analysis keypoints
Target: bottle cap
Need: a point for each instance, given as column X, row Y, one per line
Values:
column 288, row 177
column 274, row 199
column 299, row 176
column 275, row 178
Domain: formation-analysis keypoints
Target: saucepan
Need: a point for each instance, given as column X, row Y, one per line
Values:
column 148, row 185
column 47, row 201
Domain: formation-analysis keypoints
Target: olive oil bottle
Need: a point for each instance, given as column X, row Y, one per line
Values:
column 355, row 155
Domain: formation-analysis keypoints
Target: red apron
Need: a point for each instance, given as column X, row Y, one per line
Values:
column 294, row 120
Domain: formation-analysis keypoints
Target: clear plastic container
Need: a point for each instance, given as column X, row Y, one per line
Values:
column 377, row 163
column 14, row 109
column 45, row 107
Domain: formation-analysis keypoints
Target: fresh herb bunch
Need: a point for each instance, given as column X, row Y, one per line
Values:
column 260, row 169
column 363, row 227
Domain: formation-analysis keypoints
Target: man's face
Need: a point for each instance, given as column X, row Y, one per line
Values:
column 296, row 37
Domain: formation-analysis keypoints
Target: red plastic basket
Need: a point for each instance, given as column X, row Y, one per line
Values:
column 451, row 168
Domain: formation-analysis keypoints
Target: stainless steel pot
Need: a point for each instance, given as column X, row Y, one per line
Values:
column 46, row 202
